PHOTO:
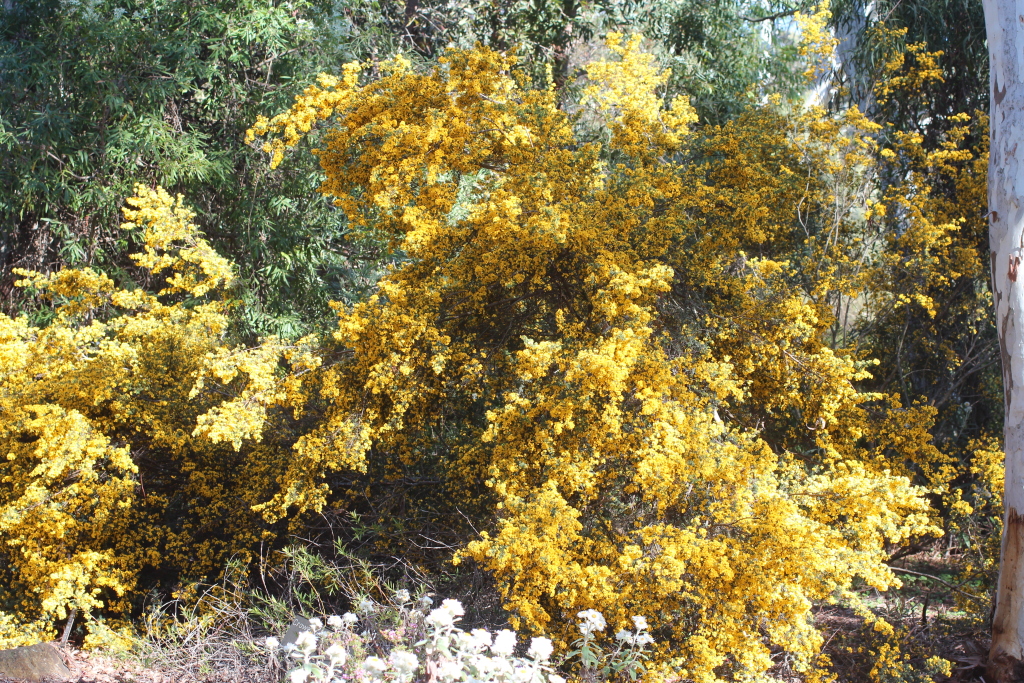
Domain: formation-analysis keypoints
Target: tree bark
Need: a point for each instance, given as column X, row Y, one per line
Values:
column 1004, row 22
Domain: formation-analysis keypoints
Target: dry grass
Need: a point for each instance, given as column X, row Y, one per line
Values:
column 219, row 635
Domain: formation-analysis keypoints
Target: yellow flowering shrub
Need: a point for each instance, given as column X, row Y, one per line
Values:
column 619, row 349
column 111, row 419
column 929, row 312
column 628, row 355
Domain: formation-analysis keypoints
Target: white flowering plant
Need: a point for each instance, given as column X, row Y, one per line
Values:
column 624, row 659
column 427, row 644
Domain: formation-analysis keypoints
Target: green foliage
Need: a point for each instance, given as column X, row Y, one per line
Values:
column 725, row 55
column 100, row 94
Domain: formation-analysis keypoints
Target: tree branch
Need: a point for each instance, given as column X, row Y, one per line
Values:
column 771, row 17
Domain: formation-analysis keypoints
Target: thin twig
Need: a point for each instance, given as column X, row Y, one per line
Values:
column 901, row 570
column 771, row 17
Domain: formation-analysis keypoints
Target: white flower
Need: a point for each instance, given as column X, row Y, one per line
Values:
column 402, row 596
column 273, row 643
column 446, row 615
column 494, row 668
column 440, row 619
column 624, row 635
column 298, row 675
column 453, row 606
column 349, row 618
column 316, row 624
column 404, row 663
column 449, row 669
column 522, row 674
column 479, row 639
column 643, row 639
column 464, row 641
column 374, row 666
column 640, row 623
column 306, row 642
column 336, row 653
column 334, row 621
column 555, row 678
column 504, row 643
column 593, row 621
column 425, row 602
column 366, row 606
column 540, row 649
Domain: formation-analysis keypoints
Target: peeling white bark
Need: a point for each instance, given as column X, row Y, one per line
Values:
column 1004, row 20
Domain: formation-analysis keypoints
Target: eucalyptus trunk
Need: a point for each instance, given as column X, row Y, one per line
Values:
column 1005, row 30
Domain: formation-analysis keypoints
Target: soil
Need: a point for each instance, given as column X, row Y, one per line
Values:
column 94, row 668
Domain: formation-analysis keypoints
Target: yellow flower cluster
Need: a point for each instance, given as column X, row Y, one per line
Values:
column 627, row 362
column 171, row 243
column 817, row 44
column 108, row 475
column 633, row 356
column 625, row 93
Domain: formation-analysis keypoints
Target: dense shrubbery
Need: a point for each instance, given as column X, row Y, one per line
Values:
column 98, row 95
column 714, row 371
column 620, row 363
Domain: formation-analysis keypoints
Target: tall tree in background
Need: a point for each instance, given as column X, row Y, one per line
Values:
column 1006, row 235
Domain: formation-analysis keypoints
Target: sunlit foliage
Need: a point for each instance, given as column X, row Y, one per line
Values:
column 98, row 95
column 112, row 463
column 625, row 351
column 625, row 346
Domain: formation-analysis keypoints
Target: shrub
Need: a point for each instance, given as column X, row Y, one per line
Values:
column 581, row 350
column 581, row 359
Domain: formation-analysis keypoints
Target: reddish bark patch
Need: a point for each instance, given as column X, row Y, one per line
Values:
column 1003, row 667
